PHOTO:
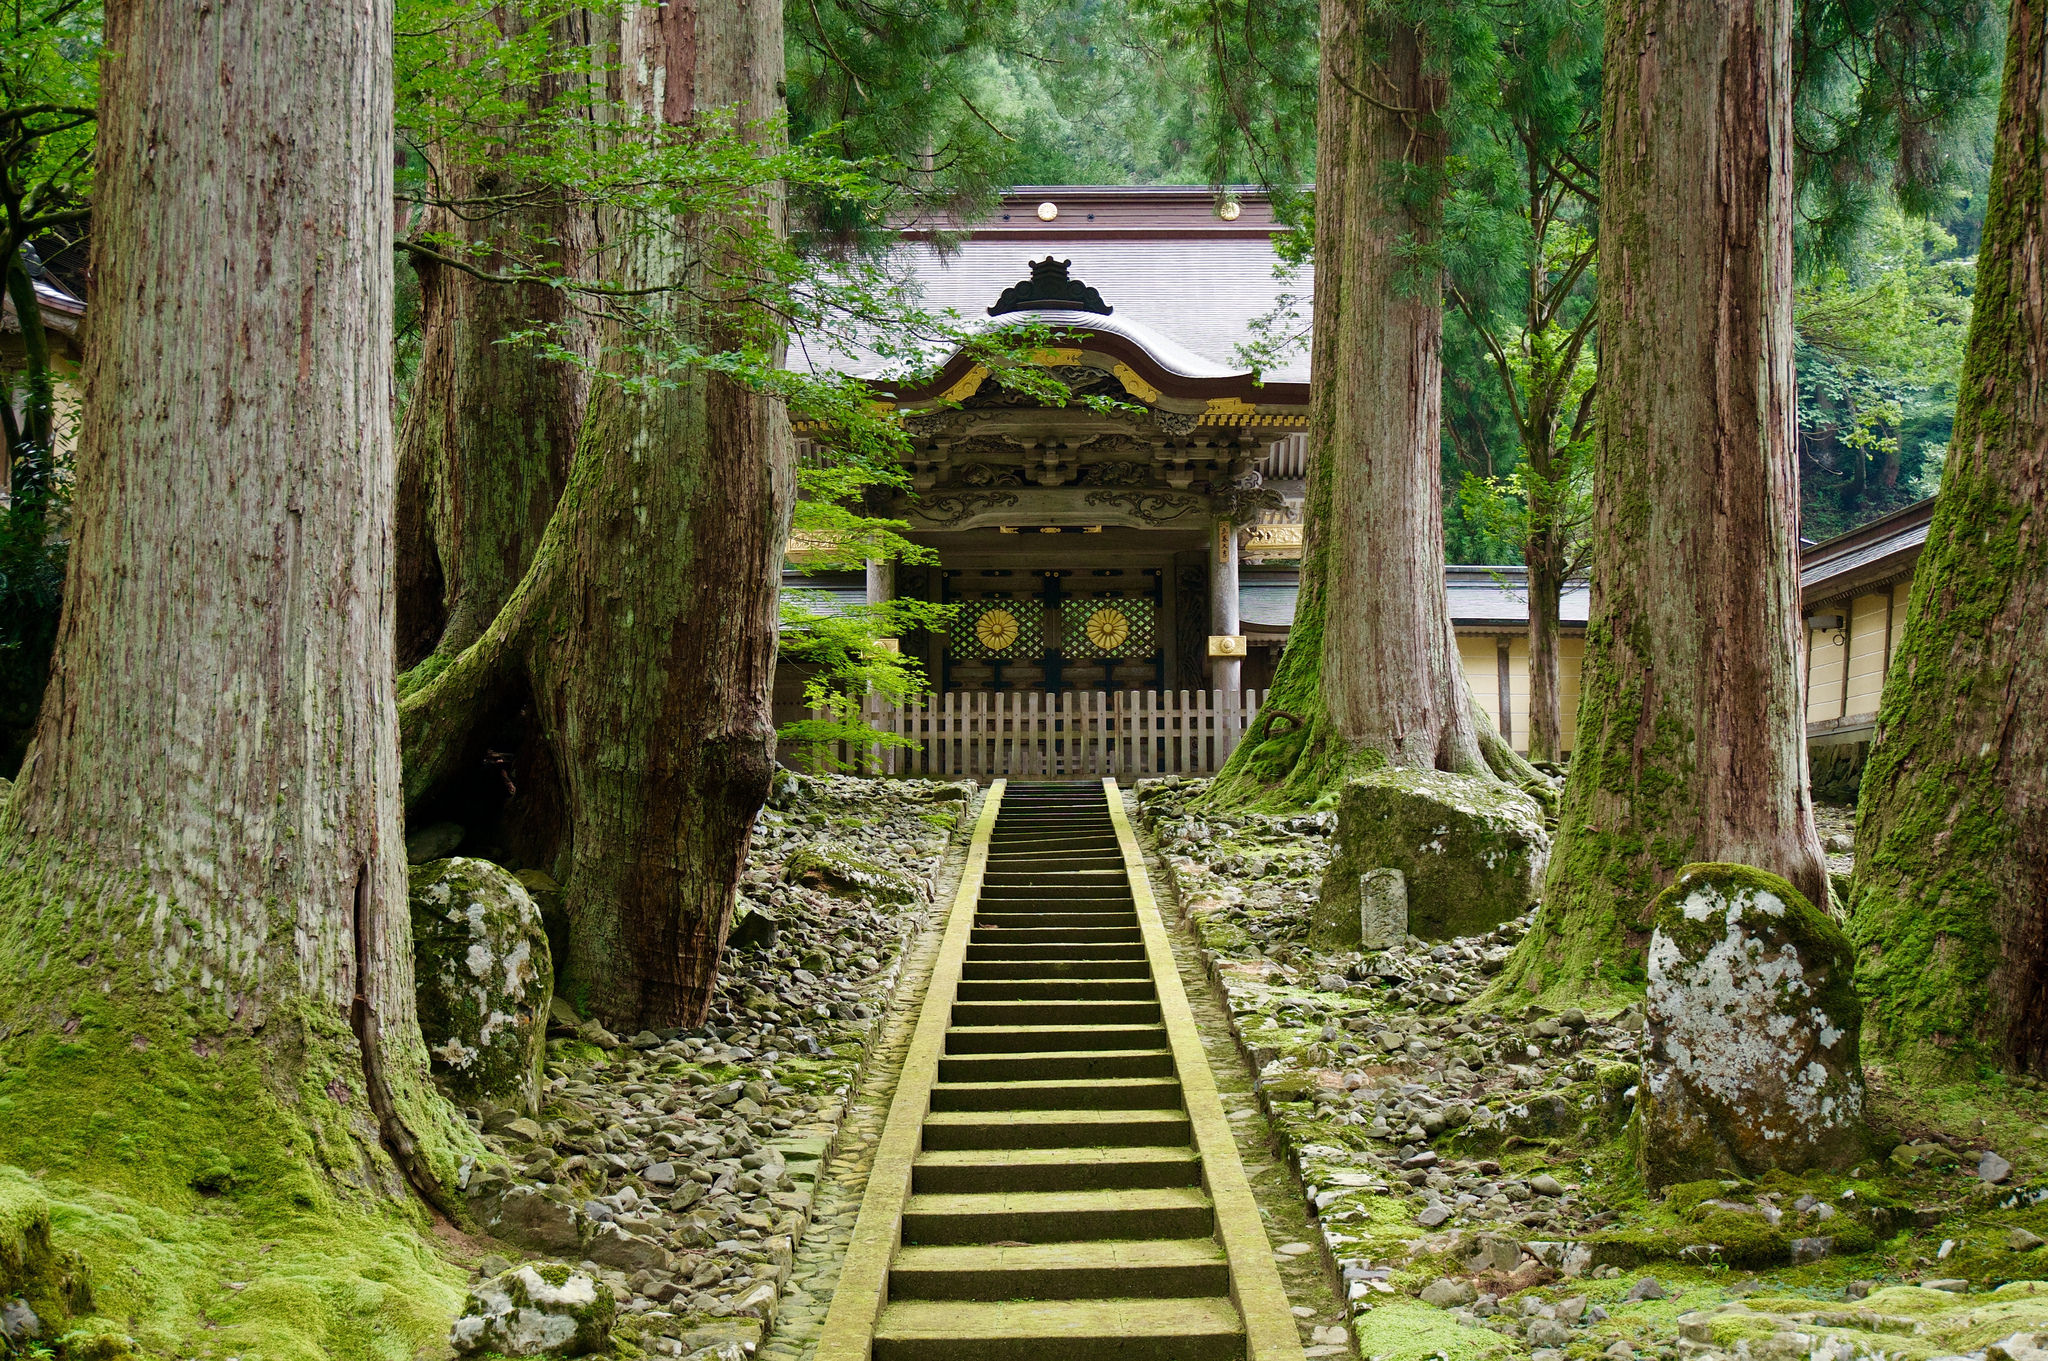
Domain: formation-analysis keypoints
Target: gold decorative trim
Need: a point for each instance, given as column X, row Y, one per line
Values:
column 968, row 385
column 1135, row 385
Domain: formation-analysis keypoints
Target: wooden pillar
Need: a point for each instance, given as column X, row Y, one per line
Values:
column 1226, row 673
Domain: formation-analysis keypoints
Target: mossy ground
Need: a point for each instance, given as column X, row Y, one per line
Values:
column 213, row 1217
column 1235, row 879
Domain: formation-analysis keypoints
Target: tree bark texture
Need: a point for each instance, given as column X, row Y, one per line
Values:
column 1691, row 738
column 484, row 449
column 1371, row 673
column 646, row 627
column 203, row 859
column 1949, row 909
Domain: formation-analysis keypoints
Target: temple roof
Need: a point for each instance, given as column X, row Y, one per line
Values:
column 1183, row 284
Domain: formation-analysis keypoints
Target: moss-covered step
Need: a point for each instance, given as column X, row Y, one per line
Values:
column 1205, row 1329
column 1054, row 1128
column 1134, row 1269
column 1071, row 1065
column 1007, row 1039
column 955, row 1171
column 1119, row 1093
column 1055, row 1216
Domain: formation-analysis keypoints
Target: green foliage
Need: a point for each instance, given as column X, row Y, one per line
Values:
column 849, row 656
column 1890, row 98
column 1879, row 347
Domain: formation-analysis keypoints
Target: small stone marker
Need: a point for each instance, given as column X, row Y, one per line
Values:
column 1382, row 909
column 1752, row 1058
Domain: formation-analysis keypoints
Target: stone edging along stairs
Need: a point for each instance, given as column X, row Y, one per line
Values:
column 1056, row 1180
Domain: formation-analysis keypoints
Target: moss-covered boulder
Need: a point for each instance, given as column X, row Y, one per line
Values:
column 1471, row 852
column 485, row 979
column 1752, row 1058
column 844, row 874
column 538, row 1309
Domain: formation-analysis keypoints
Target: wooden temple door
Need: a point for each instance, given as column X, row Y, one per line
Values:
column 1053, row 630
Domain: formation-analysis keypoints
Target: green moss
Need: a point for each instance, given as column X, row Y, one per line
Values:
column 221, row 1187
column 1468, row 847
column 840, row 871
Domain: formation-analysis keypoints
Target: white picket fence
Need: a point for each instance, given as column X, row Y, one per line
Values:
column 1028, row 735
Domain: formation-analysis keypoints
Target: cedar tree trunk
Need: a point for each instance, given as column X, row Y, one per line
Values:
column 1371, row 672
column 485, row 445
column 1950, row 903
column 1691, row 739
column 203, row 870
column 646, row 627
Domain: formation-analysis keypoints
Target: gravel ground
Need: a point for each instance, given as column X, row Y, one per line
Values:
column 1467, row 1161
column 683, row 1161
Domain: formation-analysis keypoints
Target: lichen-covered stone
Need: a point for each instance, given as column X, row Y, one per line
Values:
column 484, row 977
column 1471, row 851
column 1752, row 1057
column 845, row 874
column 1382, row 909
column 538, row 1309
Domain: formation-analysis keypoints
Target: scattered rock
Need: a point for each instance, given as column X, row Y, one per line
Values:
column 2024, row 1240
column 1433, row 1215
column 1543, row 1184
column 1549, row 1332
column 485, row 979
column 539, row 1309
column 1648, row 1288
column 1752, row 1059
column 18, row 1323
column 1471, row 853
column 1493, row 1252
column 1993, row 1169
column 1447, row 1292
column 1952, row 1285
column 527, row 1216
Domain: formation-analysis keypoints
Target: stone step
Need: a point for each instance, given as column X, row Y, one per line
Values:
column 1079, row 1127
column 979, row 969
column 1079, row 935
column 1204, row 1329
column 1117, row 1093
column 1055, row 989
column 981, row 1013
column 1056, row 1065
column 1148, row 1268
column 1056, row 897
column 1057, row 1216
column 942, row 1171
column 1120, row 917
column 1012, row 1039
column 1062, row 945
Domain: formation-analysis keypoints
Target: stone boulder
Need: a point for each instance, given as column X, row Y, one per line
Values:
column 843, row 874
column 484, row 977
column 538, row 1309
column 1470, row 853
column 1751, row 1060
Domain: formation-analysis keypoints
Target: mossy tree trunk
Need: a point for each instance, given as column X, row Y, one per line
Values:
column 1949, row 909
column 1690, row 743
column 202, row 865
column 484, row 449
column 1371, row 675
column 646, row 627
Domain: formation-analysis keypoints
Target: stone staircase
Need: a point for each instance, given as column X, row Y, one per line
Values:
column 1057, row 1207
